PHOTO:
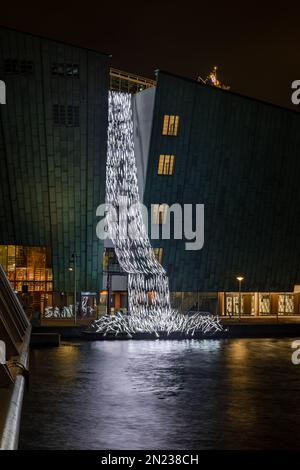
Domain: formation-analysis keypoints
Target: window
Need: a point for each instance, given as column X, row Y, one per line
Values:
column 65, row 70
column 26, row 67
column 27, row 267
column 58, row 69
column 159, row 213
column 72, row 70
column 285, row 304
column 264, row 303
column 170, row 125
column 73, row 116
column 166, row 165
column 66, row 115
column 15, row 66
column 59, row 115
column 158, row 252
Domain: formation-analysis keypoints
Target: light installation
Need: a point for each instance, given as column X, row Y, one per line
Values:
column 148, row 284
column 212, row 79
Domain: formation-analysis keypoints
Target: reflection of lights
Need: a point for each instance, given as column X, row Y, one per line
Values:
column 136, row 257
column 239, row 350
column 69, row 350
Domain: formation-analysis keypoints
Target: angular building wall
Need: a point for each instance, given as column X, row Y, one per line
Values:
column 143, row 106
column 53, row 152
column 240, row 158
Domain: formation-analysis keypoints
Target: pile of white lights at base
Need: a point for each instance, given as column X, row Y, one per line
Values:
column 148, row 284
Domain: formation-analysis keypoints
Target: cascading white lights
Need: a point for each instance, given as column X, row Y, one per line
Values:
column 148, row 285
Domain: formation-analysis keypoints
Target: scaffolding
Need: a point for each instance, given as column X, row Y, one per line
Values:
column 128, row 82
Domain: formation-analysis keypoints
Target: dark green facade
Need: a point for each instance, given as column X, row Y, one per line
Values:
column 240, row 158
column 53, row 152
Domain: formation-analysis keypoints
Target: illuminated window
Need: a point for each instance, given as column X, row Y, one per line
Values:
column 159, row 213
column 166, row 165
column 264, row 303
column 27, row 266
column 158, row 254
column 285, row 303
column 170, row 126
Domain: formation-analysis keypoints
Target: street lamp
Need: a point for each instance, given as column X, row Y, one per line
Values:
column 240, row 280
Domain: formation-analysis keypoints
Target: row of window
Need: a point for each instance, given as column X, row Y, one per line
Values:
column 14, row 66
column 166, row 162
column 262, row 303
column 165, row 167
column 65, row 70
column 66, row 115
column 26, row 67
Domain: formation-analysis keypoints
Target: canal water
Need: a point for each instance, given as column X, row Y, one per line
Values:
column 224, row 394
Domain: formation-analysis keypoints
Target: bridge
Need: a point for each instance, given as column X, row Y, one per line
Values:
column 15, row 331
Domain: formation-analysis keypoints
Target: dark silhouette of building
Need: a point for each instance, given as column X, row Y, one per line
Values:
column 199, row 144
column 53, row 153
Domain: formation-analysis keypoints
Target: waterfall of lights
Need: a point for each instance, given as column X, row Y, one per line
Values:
column 148, row 285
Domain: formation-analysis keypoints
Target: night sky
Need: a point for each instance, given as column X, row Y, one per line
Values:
column 256, row 47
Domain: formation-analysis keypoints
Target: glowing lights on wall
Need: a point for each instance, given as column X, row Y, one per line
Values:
column 148, row 284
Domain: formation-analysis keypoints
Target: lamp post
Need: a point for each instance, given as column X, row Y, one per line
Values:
column 73, row 268
column 240, row 280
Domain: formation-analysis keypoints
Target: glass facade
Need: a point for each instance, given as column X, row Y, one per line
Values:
column 28, row 268
column 251, row 304
column 205, row 302
column 30, row 273
column 260, row 303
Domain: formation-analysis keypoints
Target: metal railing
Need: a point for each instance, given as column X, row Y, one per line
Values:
column 120, row 80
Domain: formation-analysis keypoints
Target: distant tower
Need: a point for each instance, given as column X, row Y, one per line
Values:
column 212, row 79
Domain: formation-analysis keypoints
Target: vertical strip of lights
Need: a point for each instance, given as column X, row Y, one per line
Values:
column 148, row 286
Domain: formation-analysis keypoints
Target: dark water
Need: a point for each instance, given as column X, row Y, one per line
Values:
column 227, row 394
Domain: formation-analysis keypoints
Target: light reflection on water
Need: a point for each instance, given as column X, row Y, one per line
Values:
column 238, row 393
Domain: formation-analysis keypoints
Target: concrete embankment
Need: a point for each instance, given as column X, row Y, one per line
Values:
column 262, row 330
column 233, row 328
